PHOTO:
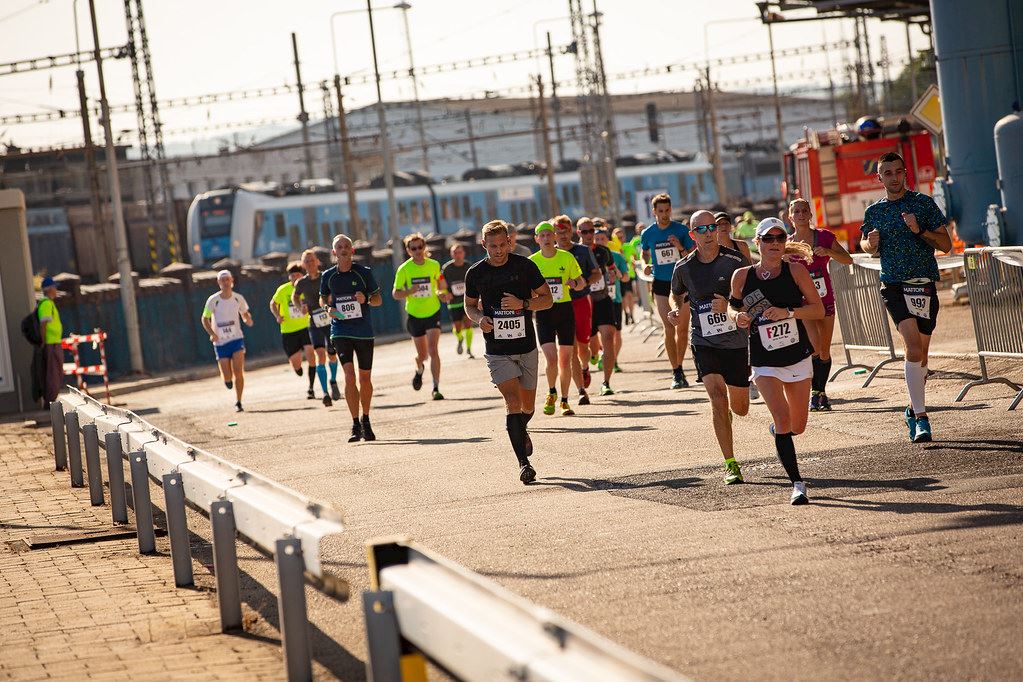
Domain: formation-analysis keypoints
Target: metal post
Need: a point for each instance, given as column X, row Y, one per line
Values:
column 291, row 607
column 59, row 437
column 91, row 438
column 472, row 139
column 143, row 505
column 405, row 7
column 115, row 474
column 131, row 313
column 101, row 241
column 346, row 166
column 74, row 449
column 555, row 102
column 225, row 565
column 303, row 116
column 383, row 638
column 777, row 100
column 912, row 65
column 552, row 190
column 177, row 529
column 715, row 153
column 397, row 252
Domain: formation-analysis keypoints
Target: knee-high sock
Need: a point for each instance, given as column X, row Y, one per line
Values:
column 312, row 375
column 526, row 416
column 916, row 377
column 787, row 455
column 321, row 372
column 333, row 371
column 821, row 370
column 468, row 338
column 457, row 333
column 516, row 431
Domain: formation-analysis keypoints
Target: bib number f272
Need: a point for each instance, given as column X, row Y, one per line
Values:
column 665, row 253
column 918, row 301
column 509, row 325
column 775, row 335
column 348, row 308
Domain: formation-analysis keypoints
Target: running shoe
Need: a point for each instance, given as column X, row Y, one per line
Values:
column 238, row 407
column 771, row 429
column 469, row 353
column 617, row 368
column 593, row 359
column 799, row 493
column 815, row 401
column 459, row 348
column 327, row 402
column 825, row 403
column 356, row 433
column 584, row 399
column 600, row 363
column 310, row 394
column 548, row 404
column 417, row 381
column 911, row 423
column 566, row 409
column 229, row 384
column 733, row 474
column 335, row 392
column 437, row 395
column 298, row 370
column 527, row 474
column 605, row 389
column 753, row 392
column 586, row 377
column 923, row 430
column 367, row 430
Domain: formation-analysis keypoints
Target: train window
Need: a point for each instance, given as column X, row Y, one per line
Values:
column 279, row 225
column 444, row 213
column 478, row 213
column 427, row 211
column 415, row 212
column 456, row 208
column 565, row 198
column 296, row 240
column 465, row 205
column 575, row 195
column 491, row 198
column 515, row 213
column 257, row 232
column 325, row 234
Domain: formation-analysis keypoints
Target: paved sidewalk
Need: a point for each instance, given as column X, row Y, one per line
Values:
column 99, row 609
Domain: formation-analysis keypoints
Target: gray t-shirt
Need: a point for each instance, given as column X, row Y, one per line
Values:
column 699, row 282
column 307, row 291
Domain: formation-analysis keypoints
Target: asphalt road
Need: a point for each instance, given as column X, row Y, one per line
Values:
column 908, row 563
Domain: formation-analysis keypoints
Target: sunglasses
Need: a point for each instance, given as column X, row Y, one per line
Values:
column 586, row 231
column 704, row 229
column 772, row 238
column 416, row 248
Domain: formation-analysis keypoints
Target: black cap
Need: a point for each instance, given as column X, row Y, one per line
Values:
column 721, row 214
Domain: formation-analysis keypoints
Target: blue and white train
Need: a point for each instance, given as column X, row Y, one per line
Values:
column 244, row 225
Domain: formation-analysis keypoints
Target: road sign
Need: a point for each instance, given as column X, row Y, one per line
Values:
column 927, row 110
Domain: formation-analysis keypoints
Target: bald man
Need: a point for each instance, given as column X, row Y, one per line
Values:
column 702, row 281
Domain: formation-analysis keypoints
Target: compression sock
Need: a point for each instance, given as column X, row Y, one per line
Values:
column 787, row 455
column 298, row 370
column 321, row 372
column 457, row 333
column 815, row 382
column 825, row 374
column 229, row 384
column 468, row 339
column 526, row 416
column 513, row 423
column 333, row 371
column 552, row 390
column 312, row 376
column 916, row 378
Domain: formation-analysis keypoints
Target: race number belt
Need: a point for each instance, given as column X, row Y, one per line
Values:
column 598, row 285
column 509, row 325
column 821, row 285
column 918, row 301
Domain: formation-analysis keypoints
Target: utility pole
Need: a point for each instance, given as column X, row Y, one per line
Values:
column 715, row 155
column 555, row 102
column 861, row 105
column 404, row 6
column 397, row 252
column 886, row 74
column 303, row 117
column 912, row 64
column 103, row 268
column 346, row 165
column 472, row 138
column 831, row 81
column 609, row 135
column 777, row 100
column 131, row 313
column 871, row 79
column 552, row 190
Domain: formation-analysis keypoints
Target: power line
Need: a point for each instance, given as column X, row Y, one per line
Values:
column 57, row 61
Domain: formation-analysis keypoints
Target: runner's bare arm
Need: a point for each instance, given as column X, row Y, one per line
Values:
column 870, row 242
column 207, row 324
column 938, row 239
column 276, row 310
column 837, row 252
column 577, row 283
column 475, row 314
column 738, row 315
column 375, row 299
column 542, row 298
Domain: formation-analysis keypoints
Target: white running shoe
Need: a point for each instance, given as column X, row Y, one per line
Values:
column 799, row 493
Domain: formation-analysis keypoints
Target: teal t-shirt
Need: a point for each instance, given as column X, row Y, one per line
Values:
column 622, row 267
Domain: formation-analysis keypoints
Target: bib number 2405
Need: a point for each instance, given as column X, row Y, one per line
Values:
column 510, row 327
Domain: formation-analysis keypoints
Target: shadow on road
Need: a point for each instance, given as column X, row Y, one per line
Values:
column 638, row 415
column 426, row 441
column 980, row 515
column 1010, row 446
column 585, row 485
column 590, row 429
column 282, row 409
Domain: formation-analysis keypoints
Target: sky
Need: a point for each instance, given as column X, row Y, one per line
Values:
column 212, row 46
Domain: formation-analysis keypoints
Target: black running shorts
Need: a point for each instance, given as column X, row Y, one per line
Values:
column 662, row 287
column 294, row 342
column 731, row 363
column 359, row 349
column 603, row 314
column 418, row 326
column 556, row 323
column 912, row 301
column 457, row 314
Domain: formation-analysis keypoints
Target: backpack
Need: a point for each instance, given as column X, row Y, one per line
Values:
column 30, row 328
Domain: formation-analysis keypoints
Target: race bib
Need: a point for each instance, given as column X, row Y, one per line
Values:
column 775, row 335
column 294, row 311
column 714, row 324
column 665, row 253
column 229, row 331
column 598, row 285
column 509, row 325
column 556, row 287
column 458, row 288
column 321, row 317
column 822, row 286
column 348, row 308
column 421, row 287
column 918, row 301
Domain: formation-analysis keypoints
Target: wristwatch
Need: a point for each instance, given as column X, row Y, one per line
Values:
column 792, row 313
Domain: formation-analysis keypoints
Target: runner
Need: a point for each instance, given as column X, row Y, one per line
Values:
column 513, row 235
column 904, row 229
column 629, row 254
column 419, row 283
column 771, row 300
column 294, row 325
column 221, row 318
column 349, row 291
column 725, row 239
column 622, row 280
column 702, row 281
column 603, row 306
column 581, row 305
column 307, row 298
column 561, row 270
column 825, row 247
column 745, row 226
column 454, row 275
column 664, row 243
column 510, row 288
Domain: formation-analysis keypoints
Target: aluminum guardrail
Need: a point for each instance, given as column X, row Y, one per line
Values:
column 994, row 278
column 273, row 518
column 425, row 605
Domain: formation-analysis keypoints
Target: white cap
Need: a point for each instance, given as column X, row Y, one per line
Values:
column 768, row 224
column 224, row 273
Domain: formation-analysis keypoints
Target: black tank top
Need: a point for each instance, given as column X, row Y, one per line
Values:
column 781, row 343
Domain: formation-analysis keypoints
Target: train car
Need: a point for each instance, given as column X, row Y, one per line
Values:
column 247, row 222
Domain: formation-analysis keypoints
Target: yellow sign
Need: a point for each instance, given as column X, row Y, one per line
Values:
column 927, row 110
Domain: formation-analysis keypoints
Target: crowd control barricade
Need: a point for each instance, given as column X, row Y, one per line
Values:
column 423, row 606
column 651, row 323
column 77, row 369
column 994, row 278
column 276, row 520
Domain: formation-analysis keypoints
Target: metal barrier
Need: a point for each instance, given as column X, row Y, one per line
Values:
column 77, row 369
column 994, row 278
column 274, row 519
column 425, row 605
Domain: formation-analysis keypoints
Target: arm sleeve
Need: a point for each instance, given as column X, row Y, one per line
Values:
column 206, row 310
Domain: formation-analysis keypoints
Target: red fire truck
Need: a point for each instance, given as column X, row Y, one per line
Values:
column 836, row 171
